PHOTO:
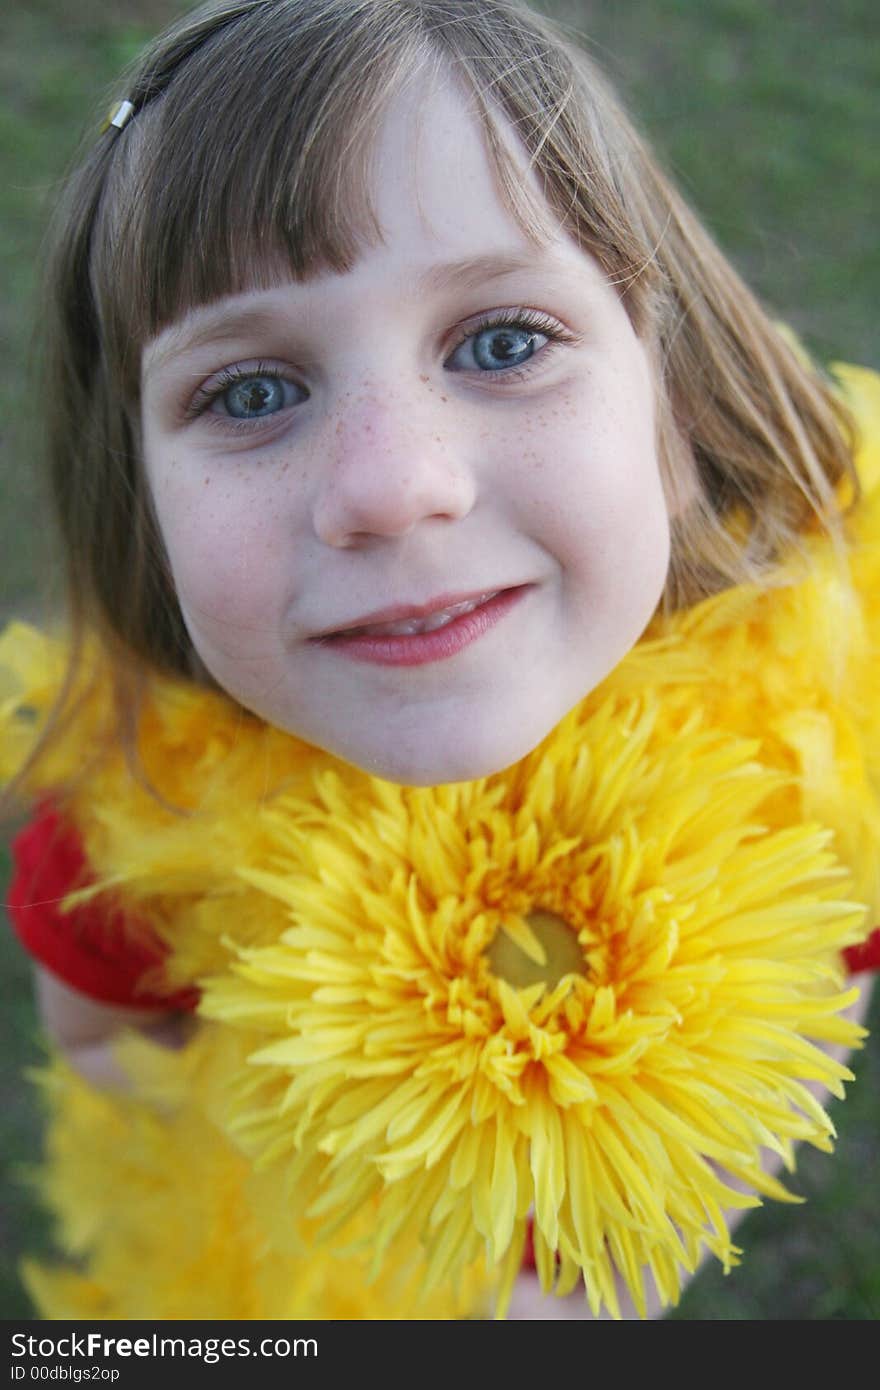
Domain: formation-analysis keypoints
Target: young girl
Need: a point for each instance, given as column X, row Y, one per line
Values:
column 457, row 788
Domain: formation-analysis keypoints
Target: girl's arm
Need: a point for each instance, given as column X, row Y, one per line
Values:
column 84, row 1029
column 89, row 967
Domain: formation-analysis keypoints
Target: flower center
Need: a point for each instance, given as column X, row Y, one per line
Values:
column 558, row 942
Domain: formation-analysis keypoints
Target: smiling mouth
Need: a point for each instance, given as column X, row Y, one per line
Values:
column 420, row 634
column 417, row 623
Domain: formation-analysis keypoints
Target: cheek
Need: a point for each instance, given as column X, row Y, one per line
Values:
column 591, row 472
column 628, row 523
column 221, row 540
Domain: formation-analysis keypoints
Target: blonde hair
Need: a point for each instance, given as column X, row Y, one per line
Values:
column 249, row 149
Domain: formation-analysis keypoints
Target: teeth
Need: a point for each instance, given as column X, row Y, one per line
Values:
column 408, row 627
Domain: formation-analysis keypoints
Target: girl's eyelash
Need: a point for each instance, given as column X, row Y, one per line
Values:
column 531, row 319
column 229, row 376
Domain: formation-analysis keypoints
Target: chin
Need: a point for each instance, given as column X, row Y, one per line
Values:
column 462, row 761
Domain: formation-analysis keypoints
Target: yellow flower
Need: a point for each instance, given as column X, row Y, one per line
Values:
column 593, row 986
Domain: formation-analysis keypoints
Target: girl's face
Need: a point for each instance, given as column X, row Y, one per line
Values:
column 405, row 533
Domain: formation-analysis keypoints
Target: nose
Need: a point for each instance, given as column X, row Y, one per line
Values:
column 390, row 467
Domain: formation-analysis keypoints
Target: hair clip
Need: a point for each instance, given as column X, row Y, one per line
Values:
column 118, row 116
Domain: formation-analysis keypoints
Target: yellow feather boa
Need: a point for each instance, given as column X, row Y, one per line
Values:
column 596, row 985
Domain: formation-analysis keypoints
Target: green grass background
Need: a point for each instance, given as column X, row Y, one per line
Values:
column 767, row 114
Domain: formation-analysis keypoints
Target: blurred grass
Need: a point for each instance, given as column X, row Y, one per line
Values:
column 56, row 63
column 766, row 112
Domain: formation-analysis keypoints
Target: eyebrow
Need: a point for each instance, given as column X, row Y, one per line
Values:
column 216, row 323
column 214, row 326
column 476, row 270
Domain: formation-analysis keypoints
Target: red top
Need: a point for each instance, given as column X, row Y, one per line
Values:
column 865, row 956
column 89, row 947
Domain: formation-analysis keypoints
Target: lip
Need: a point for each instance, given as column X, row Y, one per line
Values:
column 417, row 649
column 399, row 612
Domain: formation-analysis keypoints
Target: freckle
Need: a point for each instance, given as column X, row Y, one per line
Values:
column 207, row 481
column 423, row 378
column 444, row 398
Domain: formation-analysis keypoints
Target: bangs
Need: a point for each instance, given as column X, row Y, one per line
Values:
column 254, row 158
column 249, row 156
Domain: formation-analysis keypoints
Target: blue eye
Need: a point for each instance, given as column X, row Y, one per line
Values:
column 496, row 348
column 252, row 397
column 506, row 342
